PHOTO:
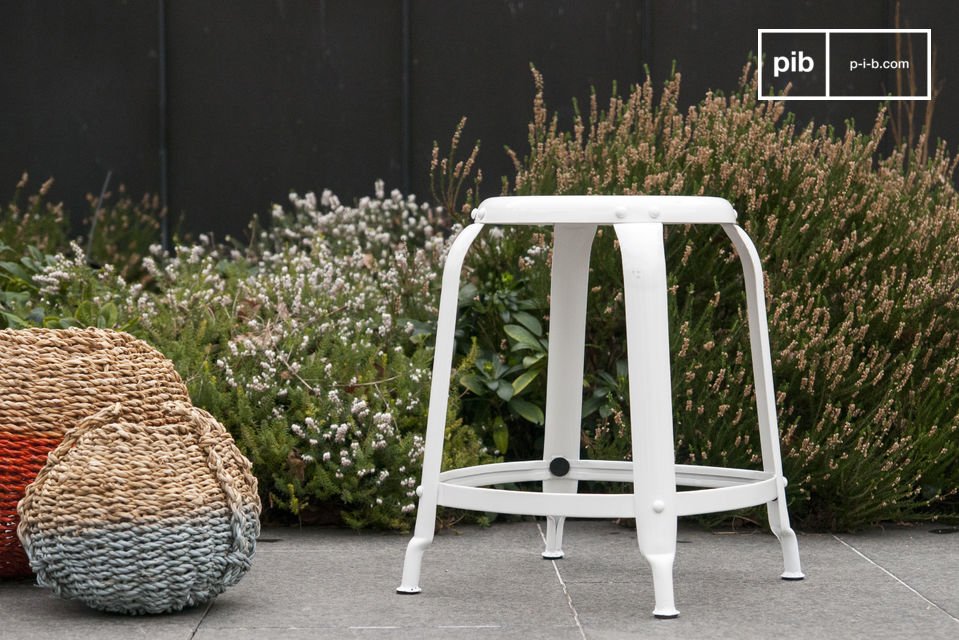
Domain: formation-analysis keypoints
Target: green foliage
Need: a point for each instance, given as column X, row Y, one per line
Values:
column 502, row 369
column 861, row 252
column 53, row 291
column 32, row 221
column 48, row 281
column 120, row 233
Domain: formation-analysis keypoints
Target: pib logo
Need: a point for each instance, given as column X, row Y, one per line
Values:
column 796, row 60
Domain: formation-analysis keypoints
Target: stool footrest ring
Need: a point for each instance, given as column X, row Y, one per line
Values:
column 717, row 489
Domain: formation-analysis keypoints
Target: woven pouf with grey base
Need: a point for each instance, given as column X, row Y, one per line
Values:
column 53, row 378
column 135, row 518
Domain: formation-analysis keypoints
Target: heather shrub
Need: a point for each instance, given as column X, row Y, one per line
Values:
column 861, row 254
column 31, row 220
column 120, row 232
column 309, row 344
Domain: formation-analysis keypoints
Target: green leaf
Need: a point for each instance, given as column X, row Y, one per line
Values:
column 15, row 270
column 108, row 315
column 607, row 379
column 13, row 321
column 85, row 313
column 622, row 368
column 590, row 405
column 504, row 391
column 473, row 382
column 530, row 322
column 499, row 368
column 530, row 360
column 522, row 336
column 523, row 381
column 527, row 411
column 14, row 297
column 466, row 294
column 500, row 435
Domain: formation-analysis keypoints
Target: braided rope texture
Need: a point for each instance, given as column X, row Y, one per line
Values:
column 137, row 519
column 53, row 378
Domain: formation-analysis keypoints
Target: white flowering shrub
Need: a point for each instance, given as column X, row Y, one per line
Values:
column 309, row 345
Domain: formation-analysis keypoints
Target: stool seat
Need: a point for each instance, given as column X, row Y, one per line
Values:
column 654, row 502
column 604, row 210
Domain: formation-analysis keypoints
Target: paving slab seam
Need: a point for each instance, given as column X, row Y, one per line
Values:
column 206, row 610
column 374, row 628
column 569, row 598
column 470, row 626
column 894, row 577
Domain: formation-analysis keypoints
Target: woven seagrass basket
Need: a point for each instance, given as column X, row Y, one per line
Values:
column 135, row 518
column 50, row 379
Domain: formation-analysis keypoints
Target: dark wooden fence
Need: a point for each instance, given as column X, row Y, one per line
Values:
column 223, row 107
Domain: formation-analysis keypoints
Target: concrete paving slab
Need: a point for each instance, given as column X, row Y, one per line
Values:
column 727, row 586
column 480, row 582
column 926, row 561
column 30, row 612
column 492, row 583
column 390, row 632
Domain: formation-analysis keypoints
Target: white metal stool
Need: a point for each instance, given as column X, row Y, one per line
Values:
column 654, row 503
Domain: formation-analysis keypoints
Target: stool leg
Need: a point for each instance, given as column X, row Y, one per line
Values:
column 564, row 373
column 765, row 397
column 651, row 413
column 439, row 401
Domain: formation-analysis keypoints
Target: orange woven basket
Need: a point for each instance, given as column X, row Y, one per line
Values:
column 50, row 379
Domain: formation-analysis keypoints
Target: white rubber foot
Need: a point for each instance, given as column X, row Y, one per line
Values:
column 666, row 614
column 408, row 591
column 793, row 575
column 553, row 555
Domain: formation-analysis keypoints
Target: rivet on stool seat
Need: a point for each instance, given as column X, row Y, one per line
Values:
column 655, row 504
